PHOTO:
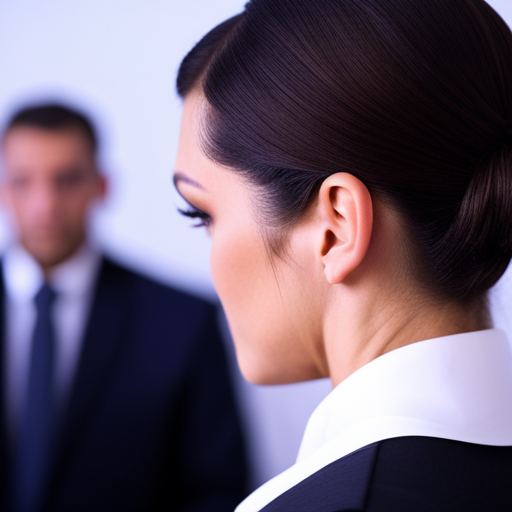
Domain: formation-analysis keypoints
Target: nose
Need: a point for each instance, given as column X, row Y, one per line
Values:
column 43, row 203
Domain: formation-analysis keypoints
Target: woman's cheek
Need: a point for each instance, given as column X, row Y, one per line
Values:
column 232, row 272
column 239, row 270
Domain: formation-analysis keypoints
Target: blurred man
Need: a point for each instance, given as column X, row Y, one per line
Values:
column 116, row 392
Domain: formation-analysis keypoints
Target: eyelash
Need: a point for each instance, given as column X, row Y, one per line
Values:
column 193, row 213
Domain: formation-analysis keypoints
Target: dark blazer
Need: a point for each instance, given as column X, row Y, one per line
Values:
column 151, row 424
column 408, row 474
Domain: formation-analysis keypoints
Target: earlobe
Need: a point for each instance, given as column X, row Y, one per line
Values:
column 347, row 221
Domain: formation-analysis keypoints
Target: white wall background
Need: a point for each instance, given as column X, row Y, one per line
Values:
column 118, row 59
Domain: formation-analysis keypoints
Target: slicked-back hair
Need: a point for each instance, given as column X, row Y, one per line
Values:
column 54, row 117
column 413, row 97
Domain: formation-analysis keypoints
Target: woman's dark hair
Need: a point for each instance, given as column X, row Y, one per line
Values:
column 413, row 97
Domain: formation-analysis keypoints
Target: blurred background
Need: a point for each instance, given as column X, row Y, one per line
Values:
column 117, row 59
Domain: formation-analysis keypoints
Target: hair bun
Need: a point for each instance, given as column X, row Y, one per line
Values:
column 480, row 238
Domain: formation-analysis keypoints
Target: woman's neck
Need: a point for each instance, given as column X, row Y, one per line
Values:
column 369, row 328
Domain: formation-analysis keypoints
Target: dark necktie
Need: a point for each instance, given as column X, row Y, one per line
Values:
column 37, row 423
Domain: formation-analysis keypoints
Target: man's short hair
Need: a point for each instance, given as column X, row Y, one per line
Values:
column 54, row 117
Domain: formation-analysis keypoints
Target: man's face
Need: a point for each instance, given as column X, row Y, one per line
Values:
column 50, row 180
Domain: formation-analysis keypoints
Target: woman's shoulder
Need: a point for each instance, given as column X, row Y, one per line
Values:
column 424, row 473
column 407, row 474
column 341, row 485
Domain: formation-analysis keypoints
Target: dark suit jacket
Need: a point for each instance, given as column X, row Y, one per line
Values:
column 151, row 424
column 408, row 474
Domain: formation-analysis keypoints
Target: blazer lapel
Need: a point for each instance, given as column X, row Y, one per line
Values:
column 4, row 434
column 102, row 340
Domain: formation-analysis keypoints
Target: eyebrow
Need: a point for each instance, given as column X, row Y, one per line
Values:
column 179, row 176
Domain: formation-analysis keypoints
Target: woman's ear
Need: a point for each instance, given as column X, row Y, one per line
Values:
column 345, row 207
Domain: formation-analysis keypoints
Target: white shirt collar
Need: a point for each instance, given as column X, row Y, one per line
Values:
column 456, row 387
column 74, row 277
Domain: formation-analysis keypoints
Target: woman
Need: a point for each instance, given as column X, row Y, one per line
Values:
column 352, row 162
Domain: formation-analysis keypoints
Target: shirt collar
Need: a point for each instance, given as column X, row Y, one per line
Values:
column 74, row 277
column 458, row 384
column 456, row 387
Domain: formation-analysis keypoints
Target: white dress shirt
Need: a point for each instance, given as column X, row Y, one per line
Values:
column 73, row 281
column 455, row 387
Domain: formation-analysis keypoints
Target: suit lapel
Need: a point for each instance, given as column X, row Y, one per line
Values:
column 103, row 337
column 4, row 441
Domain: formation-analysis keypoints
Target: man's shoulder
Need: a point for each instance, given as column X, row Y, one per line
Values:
column 156, row 315
column 141, row 287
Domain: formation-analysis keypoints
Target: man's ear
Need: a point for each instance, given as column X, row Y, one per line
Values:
column 345, row 207
column 103, row 185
